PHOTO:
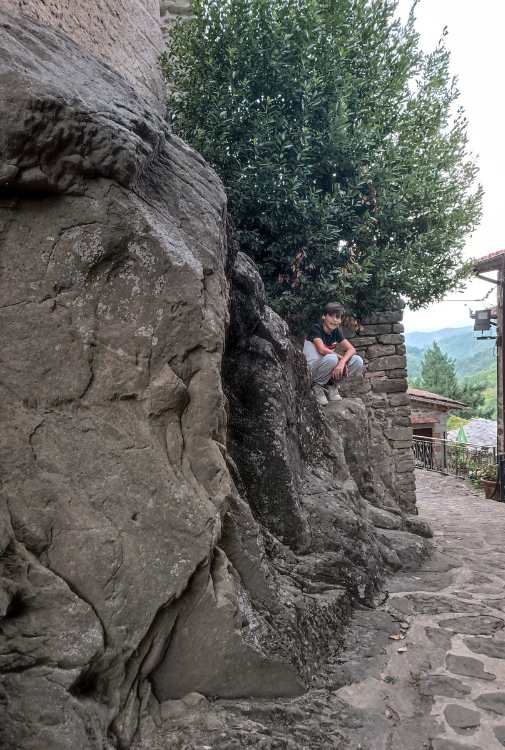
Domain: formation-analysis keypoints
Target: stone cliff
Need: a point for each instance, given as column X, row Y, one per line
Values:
column 176, row 513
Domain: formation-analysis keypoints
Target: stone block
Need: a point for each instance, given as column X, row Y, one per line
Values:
column 398, row 433
column 390, row 385
column 393, row 362
column 380, row 350
column 400, row 348
column 374, row 330
column 401, row 420
column 404, row 467
column 391, row 338
column 397, row 411
column 399, row 399
column 376, row 375
column 399, row 444
column 359, row 341
column 388, row 316
column 406, row 484
column 404, row 459
column 400, row 373
column 404, row 453
column 378, row 401
column 398, row 328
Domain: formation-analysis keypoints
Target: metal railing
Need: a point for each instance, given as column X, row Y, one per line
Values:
column 449, row 457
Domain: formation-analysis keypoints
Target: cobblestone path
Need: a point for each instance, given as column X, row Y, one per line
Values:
column 451, row 637
column 424, row 671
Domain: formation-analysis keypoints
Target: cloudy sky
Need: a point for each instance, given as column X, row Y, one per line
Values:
column 475, row 41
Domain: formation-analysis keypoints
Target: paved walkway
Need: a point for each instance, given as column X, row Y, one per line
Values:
column 442, row 683
column 425, row 671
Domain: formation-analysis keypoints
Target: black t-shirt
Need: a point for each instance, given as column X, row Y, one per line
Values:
column 317, row 332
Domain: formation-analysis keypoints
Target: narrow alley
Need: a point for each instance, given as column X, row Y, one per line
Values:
column 423, row 671
column 441, row 685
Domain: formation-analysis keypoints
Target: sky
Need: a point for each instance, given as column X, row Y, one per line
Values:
column 475, row 41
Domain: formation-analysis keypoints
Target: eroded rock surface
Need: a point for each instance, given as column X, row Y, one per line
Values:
column 114, row 307
column 146, row 552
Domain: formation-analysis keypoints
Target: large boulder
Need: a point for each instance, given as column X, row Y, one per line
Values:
column 145, row 551
column 114, row 308
column 321, row 480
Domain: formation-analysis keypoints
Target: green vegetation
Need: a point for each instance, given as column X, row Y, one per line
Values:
column 471, row 356
column 474, row 364
column 454, row 422
column 339, row 142
column 438, row 375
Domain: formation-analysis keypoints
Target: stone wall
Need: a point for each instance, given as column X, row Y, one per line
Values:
column 381, row 343
column 124, row 33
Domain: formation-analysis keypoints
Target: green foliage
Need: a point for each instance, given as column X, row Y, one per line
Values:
column 454, row 422
column 438, row 374
column 471, row 355
column 339, row 144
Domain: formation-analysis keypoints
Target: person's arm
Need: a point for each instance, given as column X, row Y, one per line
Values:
column 322, row 348
column 349, row 351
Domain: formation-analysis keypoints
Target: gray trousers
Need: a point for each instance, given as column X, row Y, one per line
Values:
column 322, row 368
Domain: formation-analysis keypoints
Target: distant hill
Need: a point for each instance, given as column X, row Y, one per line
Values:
column 424, row 339
column 470, row 355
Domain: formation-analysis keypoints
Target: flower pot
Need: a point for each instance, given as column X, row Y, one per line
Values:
column 489, row 486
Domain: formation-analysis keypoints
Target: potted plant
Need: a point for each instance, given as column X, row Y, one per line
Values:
column 487, row 478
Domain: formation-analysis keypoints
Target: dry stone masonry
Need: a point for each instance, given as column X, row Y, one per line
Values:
column 381, row 343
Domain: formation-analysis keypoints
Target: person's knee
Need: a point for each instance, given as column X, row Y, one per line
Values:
column 356, row 364
column 331, row 360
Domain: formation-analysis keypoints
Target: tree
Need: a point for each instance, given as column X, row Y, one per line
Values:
column 438, row 373
column 338, row 143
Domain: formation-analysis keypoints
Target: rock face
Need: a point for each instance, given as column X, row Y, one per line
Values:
column 114, row 307
column 322, row 482
column 147, row 552
column 124, row 33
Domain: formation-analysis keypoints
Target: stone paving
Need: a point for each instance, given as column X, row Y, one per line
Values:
column 423, row 671
column 450, row 643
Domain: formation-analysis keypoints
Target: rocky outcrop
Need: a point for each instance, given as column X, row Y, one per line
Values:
column 125, row 34
column 146, row 551
column 114, row 307
column 322, row 481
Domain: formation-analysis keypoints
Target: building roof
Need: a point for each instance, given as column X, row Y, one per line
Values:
column 480, row 432
column 491, row 262
column 426, row 397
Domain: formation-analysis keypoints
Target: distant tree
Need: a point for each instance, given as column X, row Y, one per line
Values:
column 438, row 373
column 472, row 393
column 339, row 142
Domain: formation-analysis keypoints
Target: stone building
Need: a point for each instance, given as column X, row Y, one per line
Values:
column 430, row 413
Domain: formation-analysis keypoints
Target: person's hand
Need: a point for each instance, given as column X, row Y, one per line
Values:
column 338, row 372
column 332, row 346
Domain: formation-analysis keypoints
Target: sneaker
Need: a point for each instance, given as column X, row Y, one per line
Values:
column 320, row 395
column 333, row 394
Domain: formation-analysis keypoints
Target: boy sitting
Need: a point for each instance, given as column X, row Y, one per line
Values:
column 324, row 364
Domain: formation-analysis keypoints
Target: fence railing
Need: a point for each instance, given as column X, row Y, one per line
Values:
column 449, row 457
